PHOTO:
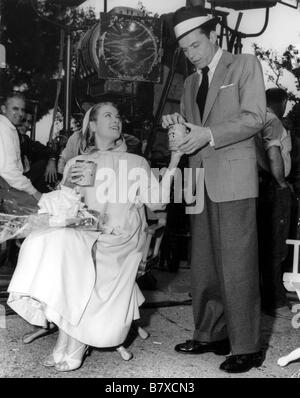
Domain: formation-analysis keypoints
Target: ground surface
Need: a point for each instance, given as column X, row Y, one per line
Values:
column 168, row 318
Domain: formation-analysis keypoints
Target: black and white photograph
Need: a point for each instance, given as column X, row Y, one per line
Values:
column 149, row 192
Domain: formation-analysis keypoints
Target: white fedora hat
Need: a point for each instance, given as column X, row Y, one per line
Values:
column 187, row 19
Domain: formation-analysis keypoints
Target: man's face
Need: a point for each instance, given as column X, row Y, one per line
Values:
column 282, row 108
column 14, row 109
column 279, row 108
column 198, row 48
column 26, row 124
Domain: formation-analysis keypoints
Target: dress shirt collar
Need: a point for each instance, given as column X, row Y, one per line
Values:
column 7, row 122
column 214, row 62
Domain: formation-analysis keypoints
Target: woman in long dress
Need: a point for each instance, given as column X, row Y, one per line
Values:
column 84, row 281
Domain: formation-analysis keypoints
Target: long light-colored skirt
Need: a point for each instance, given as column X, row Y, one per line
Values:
column 82, row 281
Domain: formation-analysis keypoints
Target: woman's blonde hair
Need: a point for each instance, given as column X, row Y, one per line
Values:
column 87, row 142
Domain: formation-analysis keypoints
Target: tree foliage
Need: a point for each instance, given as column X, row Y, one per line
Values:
column 145, row 11
column 288, row 62
column 278, row 64
column 32, row 43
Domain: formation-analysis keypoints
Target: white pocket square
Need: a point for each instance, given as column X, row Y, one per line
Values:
column 228, row 85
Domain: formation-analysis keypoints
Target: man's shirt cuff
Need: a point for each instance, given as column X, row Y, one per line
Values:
column 211, row 141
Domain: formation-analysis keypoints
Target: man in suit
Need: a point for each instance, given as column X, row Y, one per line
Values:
column 223, row 106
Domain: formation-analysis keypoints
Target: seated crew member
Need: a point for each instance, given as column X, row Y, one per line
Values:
column 11, row 168
column 15, row 188
column 38, row 160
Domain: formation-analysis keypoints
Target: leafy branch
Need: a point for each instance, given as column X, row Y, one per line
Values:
column 32, row 44
column 278, row 64
column 145, row 11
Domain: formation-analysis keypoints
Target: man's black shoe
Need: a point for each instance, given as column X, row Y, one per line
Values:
column 221, row 347
column 242, row 363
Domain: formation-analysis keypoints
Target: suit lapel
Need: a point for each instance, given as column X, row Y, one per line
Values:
column 216, row 83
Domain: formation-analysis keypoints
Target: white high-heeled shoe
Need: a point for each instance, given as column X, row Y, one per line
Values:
column 55, row 357
column 69, row 363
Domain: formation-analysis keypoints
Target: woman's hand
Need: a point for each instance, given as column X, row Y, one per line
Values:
column 74, row 175
column 78, row 171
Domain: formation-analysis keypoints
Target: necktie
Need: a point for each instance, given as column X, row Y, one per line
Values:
column 203, row 89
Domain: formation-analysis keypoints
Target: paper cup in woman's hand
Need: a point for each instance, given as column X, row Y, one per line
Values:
column 87, row 179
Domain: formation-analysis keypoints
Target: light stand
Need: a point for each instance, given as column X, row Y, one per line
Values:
column 2, row 54
column 234, row 42
column 68, row 81
column 66, row 32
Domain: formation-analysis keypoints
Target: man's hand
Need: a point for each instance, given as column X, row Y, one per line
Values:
column 195, row 140
column 168, row 120
column 286, row 185
column 51, row 172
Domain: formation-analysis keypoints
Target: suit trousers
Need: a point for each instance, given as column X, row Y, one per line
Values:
column 225, row 274
column 274, row 220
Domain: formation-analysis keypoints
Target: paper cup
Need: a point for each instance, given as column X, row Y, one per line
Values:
column 177, row 132
column 88, row 178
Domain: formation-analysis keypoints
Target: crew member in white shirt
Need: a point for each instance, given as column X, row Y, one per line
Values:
column 11, row 168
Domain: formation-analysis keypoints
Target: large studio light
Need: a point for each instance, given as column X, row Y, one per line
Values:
column 66, row 3
column 243, row 4
column 252, row 4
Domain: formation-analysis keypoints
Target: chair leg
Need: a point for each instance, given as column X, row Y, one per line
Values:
column 126, row 355
column 39, row 332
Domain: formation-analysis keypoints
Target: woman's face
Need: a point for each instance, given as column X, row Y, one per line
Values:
column 108, row 125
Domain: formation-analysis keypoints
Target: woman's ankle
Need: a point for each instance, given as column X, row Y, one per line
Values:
column 62, row 339
column 75, row 347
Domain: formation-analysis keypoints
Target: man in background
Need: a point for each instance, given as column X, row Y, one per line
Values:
column 275, row 203
column 39, row 161
column 11, row 167
column 17, row 193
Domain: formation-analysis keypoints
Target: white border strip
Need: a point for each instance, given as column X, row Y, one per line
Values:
column 189, row 25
